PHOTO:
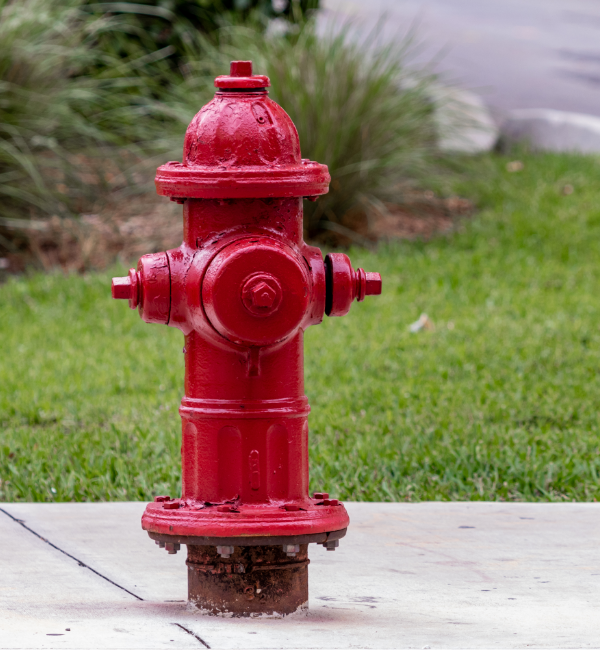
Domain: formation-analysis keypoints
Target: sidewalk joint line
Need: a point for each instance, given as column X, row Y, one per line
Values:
column 83, row 564
column 202, row 641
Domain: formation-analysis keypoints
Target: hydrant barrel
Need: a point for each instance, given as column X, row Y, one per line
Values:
column 242, row 288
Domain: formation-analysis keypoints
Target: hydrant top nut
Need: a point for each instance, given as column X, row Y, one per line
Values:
column 241, row 78
column 261, row 294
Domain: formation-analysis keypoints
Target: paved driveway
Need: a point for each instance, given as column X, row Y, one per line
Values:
column 516, row 53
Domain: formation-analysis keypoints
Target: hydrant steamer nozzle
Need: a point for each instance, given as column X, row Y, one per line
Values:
column 243, row 287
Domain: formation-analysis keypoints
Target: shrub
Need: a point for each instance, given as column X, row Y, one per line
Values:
column 38, row 42
column 151, row 25
column 79, row 119
column 358, row 106
column 58, row 128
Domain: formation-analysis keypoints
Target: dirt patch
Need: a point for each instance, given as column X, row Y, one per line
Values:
column 122, row 230
column 422, row 215
column 422, row 218
column 126, row 229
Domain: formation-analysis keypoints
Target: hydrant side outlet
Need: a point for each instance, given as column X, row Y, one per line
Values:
column 243, row 287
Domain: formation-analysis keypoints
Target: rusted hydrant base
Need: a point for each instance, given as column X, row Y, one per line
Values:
column 254, row 581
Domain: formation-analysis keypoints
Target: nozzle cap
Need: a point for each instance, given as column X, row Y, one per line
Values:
column 241, row 77
column 127, row 288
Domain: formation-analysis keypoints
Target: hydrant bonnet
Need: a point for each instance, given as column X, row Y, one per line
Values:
column 242, row 145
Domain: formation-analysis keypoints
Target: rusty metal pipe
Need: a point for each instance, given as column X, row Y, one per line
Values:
column 253, row 580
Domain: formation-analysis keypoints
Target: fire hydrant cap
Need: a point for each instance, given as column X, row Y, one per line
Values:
column 247, row 305
column 241, row 145
column 240, row 76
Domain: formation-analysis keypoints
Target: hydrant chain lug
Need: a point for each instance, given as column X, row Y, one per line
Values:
column 242, row 288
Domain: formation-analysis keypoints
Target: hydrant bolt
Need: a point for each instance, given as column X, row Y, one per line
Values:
column 172, row 547
column 261, row 294
column 367, row 284
column 121, row 288
column 291, row 549
column 243, row 287
column 225, row 551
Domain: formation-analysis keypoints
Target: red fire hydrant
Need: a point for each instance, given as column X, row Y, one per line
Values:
column 242, row 288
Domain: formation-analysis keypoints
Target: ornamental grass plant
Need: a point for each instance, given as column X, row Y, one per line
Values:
column 68, row 138
column 82, row 126
column 39, row 41
column 358, row 105
column 62, row 132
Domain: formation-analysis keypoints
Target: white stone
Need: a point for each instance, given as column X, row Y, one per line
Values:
column 464, row 122
column 551, row 130
column 443, row 575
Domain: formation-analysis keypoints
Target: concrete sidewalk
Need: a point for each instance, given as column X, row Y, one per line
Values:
column 439, row 575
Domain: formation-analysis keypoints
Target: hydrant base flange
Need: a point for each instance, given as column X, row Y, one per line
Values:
column 243, row 520
column 316, row 538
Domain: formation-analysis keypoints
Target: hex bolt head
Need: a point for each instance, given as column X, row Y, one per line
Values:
column 332, row 545
column 320, row 495
column 127, row 288
column 225, row 551
column 121, row 288
column 373, row 284
column 263, row 296
column 172, row 547
column 240, row 69
column 291, row 549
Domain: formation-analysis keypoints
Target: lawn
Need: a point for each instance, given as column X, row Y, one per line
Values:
column 499, row 402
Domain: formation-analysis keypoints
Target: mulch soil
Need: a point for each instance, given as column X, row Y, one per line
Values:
column 126, row 229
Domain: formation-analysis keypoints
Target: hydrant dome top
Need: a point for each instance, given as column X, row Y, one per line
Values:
column 242, row 145
column 240, row 76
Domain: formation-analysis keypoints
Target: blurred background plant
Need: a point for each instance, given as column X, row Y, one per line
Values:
column 154, row 25
column 64, row 135
column 93, row 95
column 361, row 110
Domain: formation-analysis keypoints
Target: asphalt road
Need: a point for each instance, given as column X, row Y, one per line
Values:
column 515, row 53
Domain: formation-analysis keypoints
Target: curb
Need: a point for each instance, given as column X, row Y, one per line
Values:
column 550, row 130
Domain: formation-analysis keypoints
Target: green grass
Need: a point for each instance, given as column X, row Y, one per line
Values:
column 499, row 402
